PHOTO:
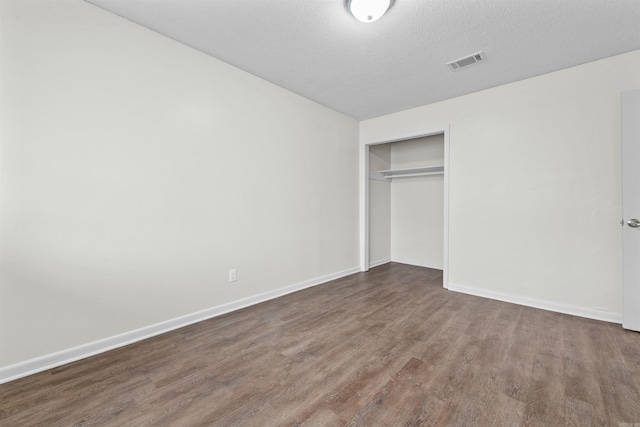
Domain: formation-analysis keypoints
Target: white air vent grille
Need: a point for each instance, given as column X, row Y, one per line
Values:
column 467, row 60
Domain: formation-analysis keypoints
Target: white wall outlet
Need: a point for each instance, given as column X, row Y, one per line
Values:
column 233, row 275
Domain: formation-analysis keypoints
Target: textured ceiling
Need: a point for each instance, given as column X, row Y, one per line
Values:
column 316, row 49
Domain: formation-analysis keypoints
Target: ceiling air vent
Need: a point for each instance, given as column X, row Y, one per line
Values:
column 467, row 60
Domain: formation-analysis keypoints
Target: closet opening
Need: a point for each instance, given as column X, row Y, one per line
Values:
column 404, row 199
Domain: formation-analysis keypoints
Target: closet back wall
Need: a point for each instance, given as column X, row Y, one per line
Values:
column 417, row 203
column 137, row 171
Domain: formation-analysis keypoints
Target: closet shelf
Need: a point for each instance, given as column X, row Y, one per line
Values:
column 401, row 173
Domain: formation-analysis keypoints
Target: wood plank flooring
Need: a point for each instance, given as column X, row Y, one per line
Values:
column 385, row 348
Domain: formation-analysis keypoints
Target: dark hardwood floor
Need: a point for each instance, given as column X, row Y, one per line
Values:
column 384, row 348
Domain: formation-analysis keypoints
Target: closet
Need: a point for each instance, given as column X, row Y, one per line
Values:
column 406, row 202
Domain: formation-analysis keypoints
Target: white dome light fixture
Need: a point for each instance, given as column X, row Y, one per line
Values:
column 368, row 10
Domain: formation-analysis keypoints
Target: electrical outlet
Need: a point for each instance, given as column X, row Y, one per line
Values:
column 233, row 275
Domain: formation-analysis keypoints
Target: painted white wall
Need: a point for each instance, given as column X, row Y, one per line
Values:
column 379, row 206
column 534, row 183
column 136, row 172
column 417, row 215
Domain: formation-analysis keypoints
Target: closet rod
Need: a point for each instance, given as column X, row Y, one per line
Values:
column 399, row 173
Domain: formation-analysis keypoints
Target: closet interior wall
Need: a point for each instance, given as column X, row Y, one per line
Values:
column 379, row 206
column 406, row 222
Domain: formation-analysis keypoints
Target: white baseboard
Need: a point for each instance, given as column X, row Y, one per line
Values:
column 379, row 262
column 589, row 313
column 417, row 264
column 49, row 361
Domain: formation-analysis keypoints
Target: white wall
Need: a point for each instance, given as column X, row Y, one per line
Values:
column 136, row 172
column 379, row 206
column 417, row 209
column 534, row 184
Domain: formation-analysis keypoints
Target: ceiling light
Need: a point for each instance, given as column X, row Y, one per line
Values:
column 368, row 10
